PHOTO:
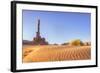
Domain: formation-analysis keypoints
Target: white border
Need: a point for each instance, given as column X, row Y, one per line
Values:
column 21, row 65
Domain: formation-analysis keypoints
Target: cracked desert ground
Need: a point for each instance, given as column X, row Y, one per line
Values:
column 44, row 53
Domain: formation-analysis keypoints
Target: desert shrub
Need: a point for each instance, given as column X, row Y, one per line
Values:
column 77, row 43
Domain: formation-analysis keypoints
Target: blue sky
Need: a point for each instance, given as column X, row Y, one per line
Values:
column 57, row 27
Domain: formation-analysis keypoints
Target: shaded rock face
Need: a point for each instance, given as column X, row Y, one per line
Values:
column 38, row 40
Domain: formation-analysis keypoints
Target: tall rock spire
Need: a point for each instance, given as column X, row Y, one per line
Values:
column 38, row 40
column 39, row 26
column 38, row 29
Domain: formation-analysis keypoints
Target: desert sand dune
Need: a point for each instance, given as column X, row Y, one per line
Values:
column 55, row 53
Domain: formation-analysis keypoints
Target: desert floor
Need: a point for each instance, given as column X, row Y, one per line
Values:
column 43, row 53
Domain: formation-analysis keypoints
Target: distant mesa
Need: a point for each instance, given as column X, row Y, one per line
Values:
column 55, row 44
column 77, row 42
column 65, row 44
column 87, row 43
column 27, row 42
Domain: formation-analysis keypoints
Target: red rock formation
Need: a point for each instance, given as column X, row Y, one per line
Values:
column 38, row 40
